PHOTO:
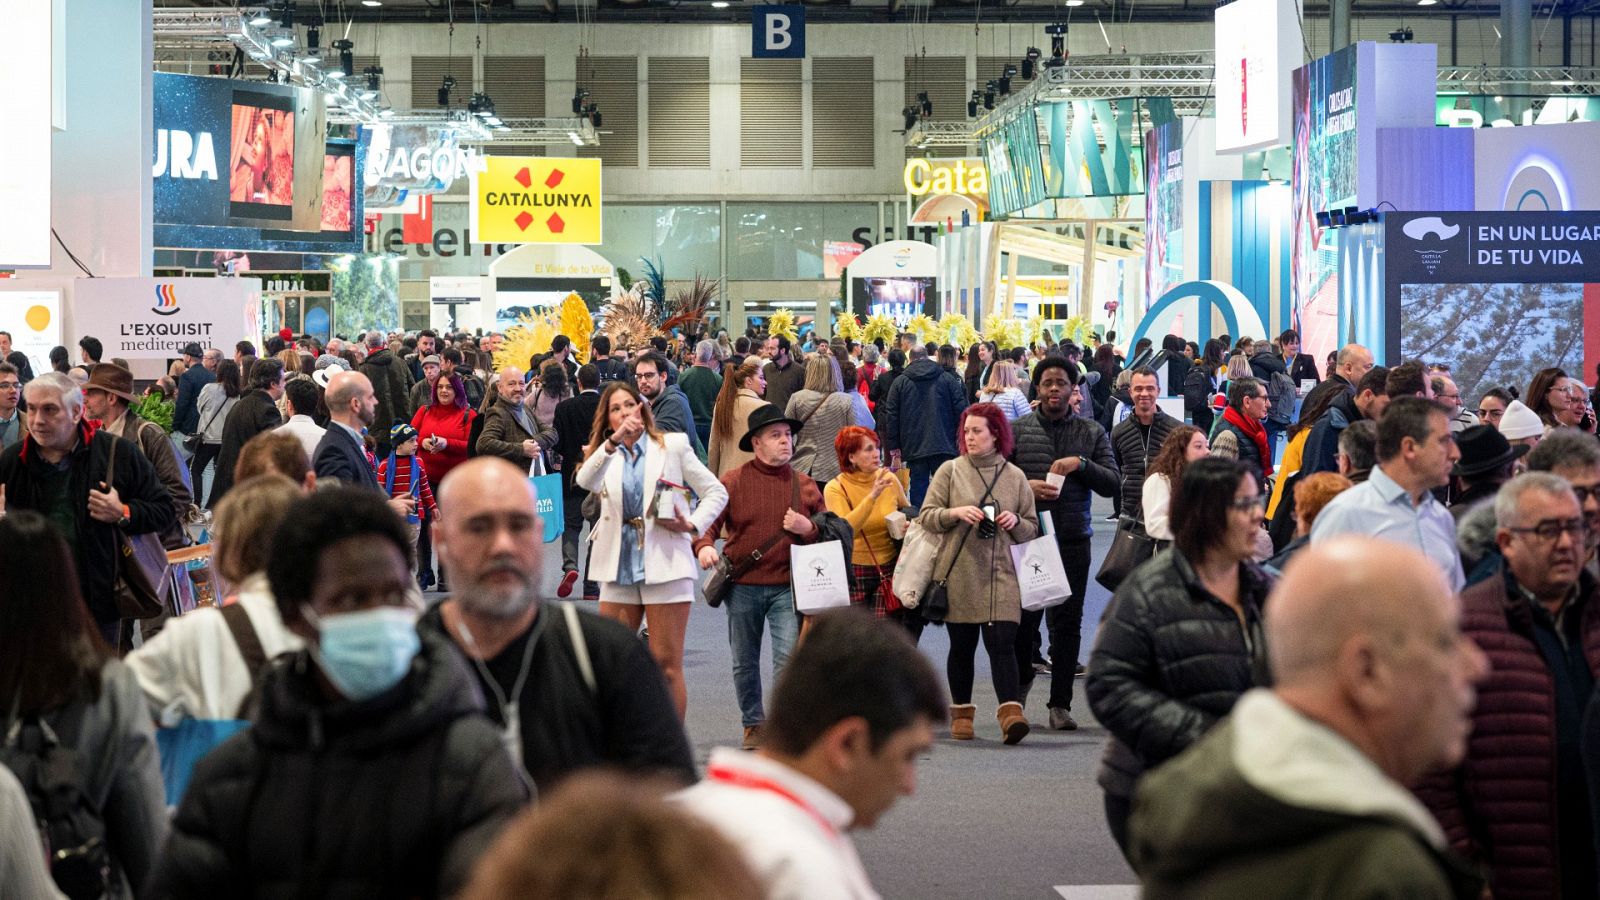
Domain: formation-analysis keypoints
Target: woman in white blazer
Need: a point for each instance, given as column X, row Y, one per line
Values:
column 645, row 563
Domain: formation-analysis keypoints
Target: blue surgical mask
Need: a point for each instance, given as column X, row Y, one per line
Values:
column 366, row 653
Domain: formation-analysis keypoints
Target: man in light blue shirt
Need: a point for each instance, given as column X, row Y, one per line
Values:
column 1416, row 452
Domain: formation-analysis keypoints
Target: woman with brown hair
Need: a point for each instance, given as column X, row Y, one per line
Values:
column 62, row 684
column 642, row 550
column 1183, row 445
column 1550, row 396
column 743, row 386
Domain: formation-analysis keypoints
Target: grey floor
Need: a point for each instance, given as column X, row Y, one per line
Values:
column 986, row 820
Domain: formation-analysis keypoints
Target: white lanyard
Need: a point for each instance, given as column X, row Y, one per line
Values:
column 510, row 706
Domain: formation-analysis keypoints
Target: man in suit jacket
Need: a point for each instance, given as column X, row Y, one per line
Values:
column 574, row 420
column 256, row 411
column 342, row 454
column 201, row 372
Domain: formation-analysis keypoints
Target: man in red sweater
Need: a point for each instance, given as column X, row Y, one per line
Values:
column 769, row 507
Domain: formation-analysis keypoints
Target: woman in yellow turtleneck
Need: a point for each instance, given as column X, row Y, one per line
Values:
column 864, row 495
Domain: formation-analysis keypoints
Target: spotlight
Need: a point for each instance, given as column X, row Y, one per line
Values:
column 1058, row 44
column 444, row 90
column 1030, row 62
column 347, row 56
column 261, row 19
column 594, row 117
column 481, row 106
column 374, row 81
column 1402, row 36
column 313, row 43
column 577, row 101
column 925, row 103
column 286, row 14
column 1324, row 219
column 283, row 40
column 988, row 94
column 909, row 114
column 972, row 104
column 1006, row 74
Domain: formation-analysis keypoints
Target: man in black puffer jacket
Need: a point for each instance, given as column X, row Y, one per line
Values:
column 357, row 778
column 391, row 381
column 1054, row 439
column 1137, row 439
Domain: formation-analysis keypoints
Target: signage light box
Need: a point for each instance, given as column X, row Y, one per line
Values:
column 1258, row 47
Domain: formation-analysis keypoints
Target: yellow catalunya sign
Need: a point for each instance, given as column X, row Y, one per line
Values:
column 937, row 176
column 538, row 200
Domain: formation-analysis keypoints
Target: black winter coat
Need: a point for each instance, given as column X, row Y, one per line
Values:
column 95, row 551
column 1249, row 452
column 397, row 796
column 1170, row 661
column 923, row 408
column 255, row 412
column 1040, row 442
column 391, row 382
column 1199, row 386
column 879, row 393
column 1128, row 444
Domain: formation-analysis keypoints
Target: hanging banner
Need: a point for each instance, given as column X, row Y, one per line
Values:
column 153, row 318
column 537, row 200
column 25, row 107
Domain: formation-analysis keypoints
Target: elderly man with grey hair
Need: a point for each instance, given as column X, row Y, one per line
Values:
column 1520, row 804
column 60, row 470
column 701, row 384
column 1302, row 790
column 1575, row 456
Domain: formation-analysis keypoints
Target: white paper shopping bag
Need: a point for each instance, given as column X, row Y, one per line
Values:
column 1040, row 574
column 819, row 576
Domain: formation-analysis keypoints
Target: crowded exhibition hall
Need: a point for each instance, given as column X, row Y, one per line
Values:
column 720, row 450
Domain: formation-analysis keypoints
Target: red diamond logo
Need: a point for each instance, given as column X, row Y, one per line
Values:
column 554, row 223
column 523, row 220
column 555, row 178
column 523, row 178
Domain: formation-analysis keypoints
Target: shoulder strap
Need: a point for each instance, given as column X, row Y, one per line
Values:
column 244, row 635
column 111, row 459
column 988, row 490
column 580, row 646
column 769, row 544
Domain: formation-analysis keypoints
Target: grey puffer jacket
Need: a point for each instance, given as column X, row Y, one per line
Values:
column 1169, row 662
column 1040, row 442
column 396, row 796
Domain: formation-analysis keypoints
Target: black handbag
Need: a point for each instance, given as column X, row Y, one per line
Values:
column 193, row 442
column 1131, row 547
column 719, row 584
column 936, row 602
column 134, row 589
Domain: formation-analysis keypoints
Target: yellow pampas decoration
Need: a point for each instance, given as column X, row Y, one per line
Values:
column 782, row 323
column 880, row 326
column 528, row 338
column 957, row 329
column 574, row 321
column 1033, row 331
column 847, row 328
column 924, row 328
column 1076, row 329
column 1006, row 332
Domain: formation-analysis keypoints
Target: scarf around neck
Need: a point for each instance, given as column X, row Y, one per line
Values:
column 1255, row 432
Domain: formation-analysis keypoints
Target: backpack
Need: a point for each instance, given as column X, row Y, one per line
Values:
column 1281, row 391
column 70, row 827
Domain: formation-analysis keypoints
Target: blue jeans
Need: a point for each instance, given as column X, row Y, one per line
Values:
column 921, row 473
column 748, row 607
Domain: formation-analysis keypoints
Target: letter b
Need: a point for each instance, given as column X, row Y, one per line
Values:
column 778, row 36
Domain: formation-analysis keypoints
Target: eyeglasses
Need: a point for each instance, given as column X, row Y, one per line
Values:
column 10, row 385
column 1582, row 493
column 1248, row 504
column 1552, row 530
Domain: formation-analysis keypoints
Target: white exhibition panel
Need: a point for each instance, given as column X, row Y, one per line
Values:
column 1258, row 47
column 27, row 107
column 1536, row 168
column 33, row 319
column 153, row 318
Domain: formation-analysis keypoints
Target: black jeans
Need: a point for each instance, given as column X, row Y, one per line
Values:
column 1066, row 626
column 197, row 470
column 572, row 526
column 999, row 639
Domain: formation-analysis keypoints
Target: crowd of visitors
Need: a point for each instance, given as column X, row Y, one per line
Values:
column 1351, row 648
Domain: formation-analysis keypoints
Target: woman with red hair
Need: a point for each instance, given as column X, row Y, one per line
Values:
column 865, row 494
column 986, row 505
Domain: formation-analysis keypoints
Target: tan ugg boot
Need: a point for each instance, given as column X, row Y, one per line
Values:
column 1013, row 724
column 961, row 721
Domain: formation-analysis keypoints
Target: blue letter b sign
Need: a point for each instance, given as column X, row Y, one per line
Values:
column 778, row 31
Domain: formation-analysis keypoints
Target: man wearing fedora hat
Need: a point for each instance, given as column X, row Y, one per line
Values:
column 1487, row 461
column 107, row 397
column 762, row 519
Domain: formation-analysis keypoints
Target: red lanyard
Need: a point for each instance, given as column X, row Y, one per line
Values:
column 736, row 778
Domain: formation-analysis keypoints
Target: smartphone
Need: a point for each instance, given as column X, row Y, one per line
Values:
column 988, row 512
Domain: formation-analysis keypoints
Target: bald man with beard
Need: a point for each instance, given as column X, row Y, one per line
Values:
column 1302, row 792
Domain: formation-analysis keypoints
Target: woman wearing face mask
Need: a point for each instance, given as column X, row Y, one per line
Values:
column 368, row 770
column 1182, row 637
column 645, row 561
